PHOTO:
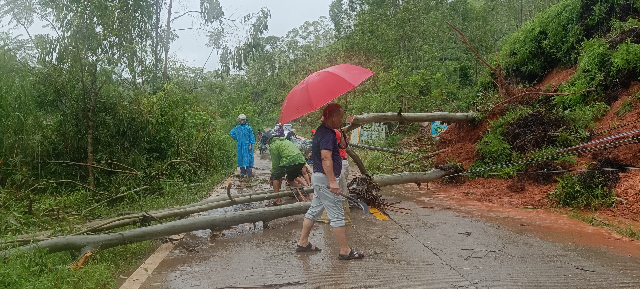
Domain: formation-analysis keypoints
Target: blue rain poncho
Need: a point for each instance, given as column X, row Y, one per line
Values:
column 244, row 135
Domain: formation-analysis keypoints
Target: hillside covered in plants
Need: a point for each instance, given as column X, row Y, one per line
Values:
column 567, row 134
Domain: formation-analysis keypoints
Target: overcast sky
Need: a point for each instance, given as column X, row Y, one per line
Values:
column 285, row 15
column 191, row 44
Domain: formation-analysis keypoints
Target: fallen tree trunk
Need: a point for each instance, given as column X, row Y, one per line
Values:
column 86, row 243
column 386, row 150
column 356, row 159
column 366, row 118
column 405, row 178
column 183, row 211
column 186, row 211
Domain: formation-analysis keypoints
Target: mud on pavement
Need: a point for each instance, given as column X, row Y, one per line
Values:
column 429, row 247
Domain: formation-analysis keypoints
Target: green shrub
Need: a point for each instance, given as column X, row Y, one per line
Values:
column 553, row 37
column 586, row 190
column 592, row 72
column 626, row 58
column 617, row 26
column 493, row 147
column 543, row 43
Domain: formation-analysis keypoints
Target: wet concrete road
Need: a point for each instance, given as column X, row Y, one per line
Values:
column 430, row 247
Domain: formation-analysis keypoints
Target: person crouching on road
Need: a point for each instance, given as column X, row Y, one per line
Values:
column 326, row 172
column 244, row 135
column 286, row 160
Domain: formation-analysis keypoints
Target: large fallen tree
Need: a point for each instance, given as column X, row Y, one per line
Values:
column 407, row 178
column 183, row 211
column 86, row 243
column 366, row 118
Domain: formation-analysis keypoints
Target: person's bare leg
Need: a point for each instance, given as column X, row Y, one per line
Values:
column 300, row 181
column 307, row 176
column 294, row 185
column 276, row 188
column 307, row 225
column 341, row 236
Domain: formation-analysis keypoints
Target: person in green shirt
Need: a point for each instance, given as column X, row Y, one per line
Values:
column 286, row 161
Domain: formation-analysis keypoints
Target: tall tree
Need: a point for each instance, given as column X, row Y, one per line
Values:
column 95, row 42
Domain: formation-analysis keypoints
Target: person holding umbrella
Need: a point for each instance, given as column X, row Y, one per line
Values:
column 327, row 195
column 244, row 135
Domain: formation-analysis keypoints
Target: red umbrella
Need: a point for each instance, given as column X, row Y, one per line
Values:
column 321, row 87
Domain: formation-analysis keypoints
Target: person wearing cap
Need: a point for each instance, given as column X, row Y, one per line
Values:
column 327, row 195
column 243, row 134
column 286, row 161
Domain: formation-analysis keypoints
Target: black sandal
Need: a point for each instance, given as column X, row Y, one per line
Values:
column 308, row 248
column 351, row 256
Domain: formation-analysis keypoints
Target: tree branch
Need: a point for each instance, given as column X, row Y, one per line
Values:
column 417, row 159
column 95, row 166
column 386, row 150
column 46, row 182
column 542, row 93
column 464, row 39
column 193, row 167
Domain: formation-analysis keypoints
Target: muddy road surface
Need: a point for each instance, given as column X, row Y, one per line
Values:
column 437, row 244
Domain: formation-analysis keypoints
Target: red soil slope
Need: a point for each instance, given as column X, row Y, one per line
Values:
column 460, row 139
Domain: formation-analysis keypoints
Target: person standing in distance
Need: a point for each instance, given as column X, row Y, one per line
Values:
column 326, row 172
column 244, row 135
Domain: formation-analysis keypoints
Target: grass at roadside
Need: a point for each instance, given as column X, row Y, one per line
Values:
column 37, row 269
column 618, row 226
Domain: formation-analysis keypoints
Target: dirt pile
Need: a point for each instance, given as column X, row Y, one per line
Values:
column 459, row 140
column 628, row 187
column 526, row 191
column 555, row 78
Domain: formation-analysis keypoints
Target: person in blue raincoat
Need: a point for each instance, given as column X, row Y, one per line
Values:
column 244, row 135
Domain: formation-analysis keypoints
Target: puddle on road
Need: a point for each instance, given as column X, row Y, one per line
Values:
column 538, row 222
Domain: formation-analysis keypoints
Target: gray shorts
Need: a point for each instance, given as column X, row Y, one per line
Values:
column 325, row 199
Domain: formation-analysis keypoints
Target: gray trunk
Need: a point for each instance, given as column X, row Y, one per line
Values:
column 406, row 178
column 86, row 243
column 409, row 117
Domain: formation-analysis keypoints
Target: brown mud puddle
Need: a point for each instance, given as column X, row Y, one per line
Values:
column 540, row 223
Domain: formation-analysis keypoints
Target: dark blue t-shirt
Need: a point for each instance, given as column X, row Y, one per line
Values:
column 325, row 139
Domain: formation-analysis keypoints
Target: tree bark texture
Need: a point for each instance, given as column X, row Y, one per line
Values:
column 91, row 115
column 356, row 159
column 86, row 243
column 366, row 118
column 183, row 211
column 186, row 211
column 405, row 178
column 165, row 74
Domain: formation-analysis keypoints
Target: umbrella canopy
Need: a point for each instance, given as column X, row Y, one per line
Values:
column 321, row 87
